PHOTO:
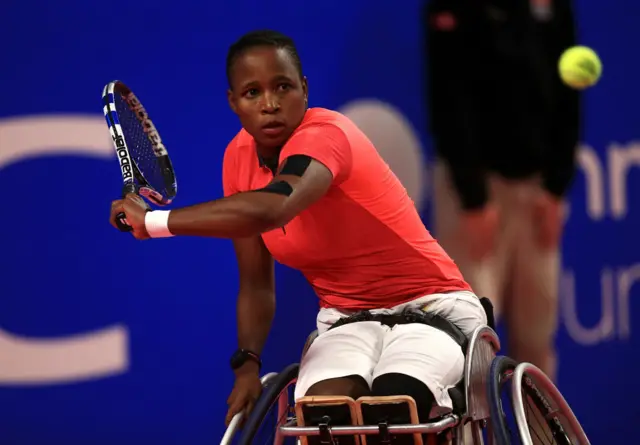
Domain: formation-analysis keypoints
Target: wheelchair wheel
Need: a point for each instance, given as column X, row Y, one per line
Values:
column 539, row 413
column 272, row 410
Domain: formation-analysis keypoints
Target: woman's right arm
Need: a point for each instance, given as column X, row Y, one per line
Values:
column 256, row 308
column 256, row 298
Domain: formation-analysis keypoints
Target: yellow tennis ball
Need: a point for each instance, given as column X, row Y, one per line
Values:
column 579, row 67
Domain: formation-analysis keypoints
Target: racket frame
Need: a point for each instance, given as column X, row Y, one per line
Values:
column 128, row 167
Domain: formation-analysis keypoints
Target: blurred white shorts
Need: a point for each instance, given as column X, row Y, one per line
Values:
column 370, row 349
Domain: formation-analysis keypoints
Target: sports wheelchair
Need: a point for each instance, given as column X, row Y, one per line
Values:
column 478, row 413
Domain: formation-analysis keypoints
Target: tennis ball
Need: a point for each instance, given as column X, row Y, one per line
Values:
column 579, row 67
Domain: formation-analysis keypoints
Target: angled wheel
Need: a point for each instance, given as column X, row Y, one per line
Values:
column 234, row 425
column 526, row 408
column 272, row 410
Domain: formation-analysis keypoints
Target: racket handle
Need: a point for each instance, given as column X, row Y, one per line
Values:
column 120, row 217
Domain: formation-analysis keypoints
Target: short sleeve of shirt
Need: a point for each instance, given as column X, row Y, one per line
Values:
column 230, row 171
column 325, row 143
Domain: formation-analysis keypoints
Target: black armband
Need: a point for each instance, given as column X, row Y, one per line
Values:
column 295, row 165
column 279, row 188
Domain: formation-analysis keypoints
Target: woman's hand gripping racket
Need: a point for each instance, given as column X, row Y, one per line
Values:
column 144, row 161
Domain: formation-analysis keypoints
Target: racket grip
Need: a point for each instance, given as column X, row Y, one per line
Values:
column 120, row 217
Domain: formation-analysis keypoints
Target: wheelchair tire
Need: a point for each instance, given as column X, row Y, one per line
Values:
column 501, row 370
column 266, row 401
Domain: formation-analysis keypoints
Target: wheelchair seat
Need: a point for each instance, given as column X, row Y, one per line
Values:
column 458, row 394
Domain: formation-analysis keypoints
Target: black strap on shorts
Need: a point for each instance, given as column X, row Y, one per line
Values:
column 410, row 316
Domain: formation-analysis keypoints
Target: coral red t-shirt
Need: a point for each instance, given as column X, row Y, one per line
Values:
column 362, row 245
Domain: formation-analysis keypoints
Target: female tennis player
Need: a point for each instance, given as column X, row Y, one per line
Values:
column 304, row 186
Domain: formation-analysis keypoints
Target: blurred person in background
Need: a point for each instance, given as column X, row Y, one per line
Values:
column 505, row 130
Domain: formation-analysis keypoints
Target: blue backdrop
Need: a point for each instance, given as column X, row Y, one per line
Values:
column 107, row 340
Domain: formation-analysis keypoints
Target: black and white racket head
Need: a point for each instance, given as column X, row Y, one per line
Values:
column 144, row 161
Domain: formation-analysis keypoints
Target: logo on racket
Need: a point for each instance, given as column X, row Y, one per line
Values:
column 123, row 156
column 148, row 126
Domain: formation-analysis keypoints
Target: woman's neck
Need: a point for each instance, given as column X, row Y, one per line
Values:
column 270, row 157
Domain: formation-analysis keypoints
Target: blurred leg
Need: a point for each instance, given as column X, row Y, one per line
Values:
column 533, row 310
column 486, row 277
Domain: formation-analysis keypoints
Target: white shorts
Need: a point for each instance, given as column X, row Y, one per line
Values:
column 370, row 349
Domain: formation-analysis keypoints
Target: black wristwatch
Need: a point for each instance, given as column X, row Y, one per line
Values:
column 241, row 356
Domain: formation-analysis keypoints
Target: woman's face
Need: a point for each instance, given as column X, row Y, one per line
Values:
column 268, row 94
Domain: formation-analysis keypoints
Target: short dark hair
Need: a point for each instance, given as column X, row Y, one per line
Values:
column 262, row 38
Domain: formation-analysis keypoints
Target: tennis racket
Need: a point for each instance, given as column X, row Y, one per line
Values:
column 144, row 161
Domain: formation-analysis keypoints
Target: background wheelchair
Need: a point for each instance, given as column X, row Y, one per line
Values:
column 539, row 413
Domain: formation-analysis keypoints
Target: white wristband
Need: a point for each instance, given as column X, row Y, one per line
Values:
column 157, row 223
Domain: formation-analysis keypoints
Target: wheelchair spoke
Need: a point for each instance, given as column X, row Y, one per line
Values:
column 541, row 421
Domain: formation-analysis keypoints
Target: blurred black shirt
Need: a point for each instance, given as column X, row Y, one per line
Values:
column 496, row 101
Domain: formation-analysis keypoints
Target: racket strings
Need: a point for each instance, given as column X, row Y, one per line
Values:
column 140, row 147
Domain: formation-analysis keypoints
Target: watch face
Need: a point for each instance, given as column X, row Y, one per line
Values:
column 237, row 359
